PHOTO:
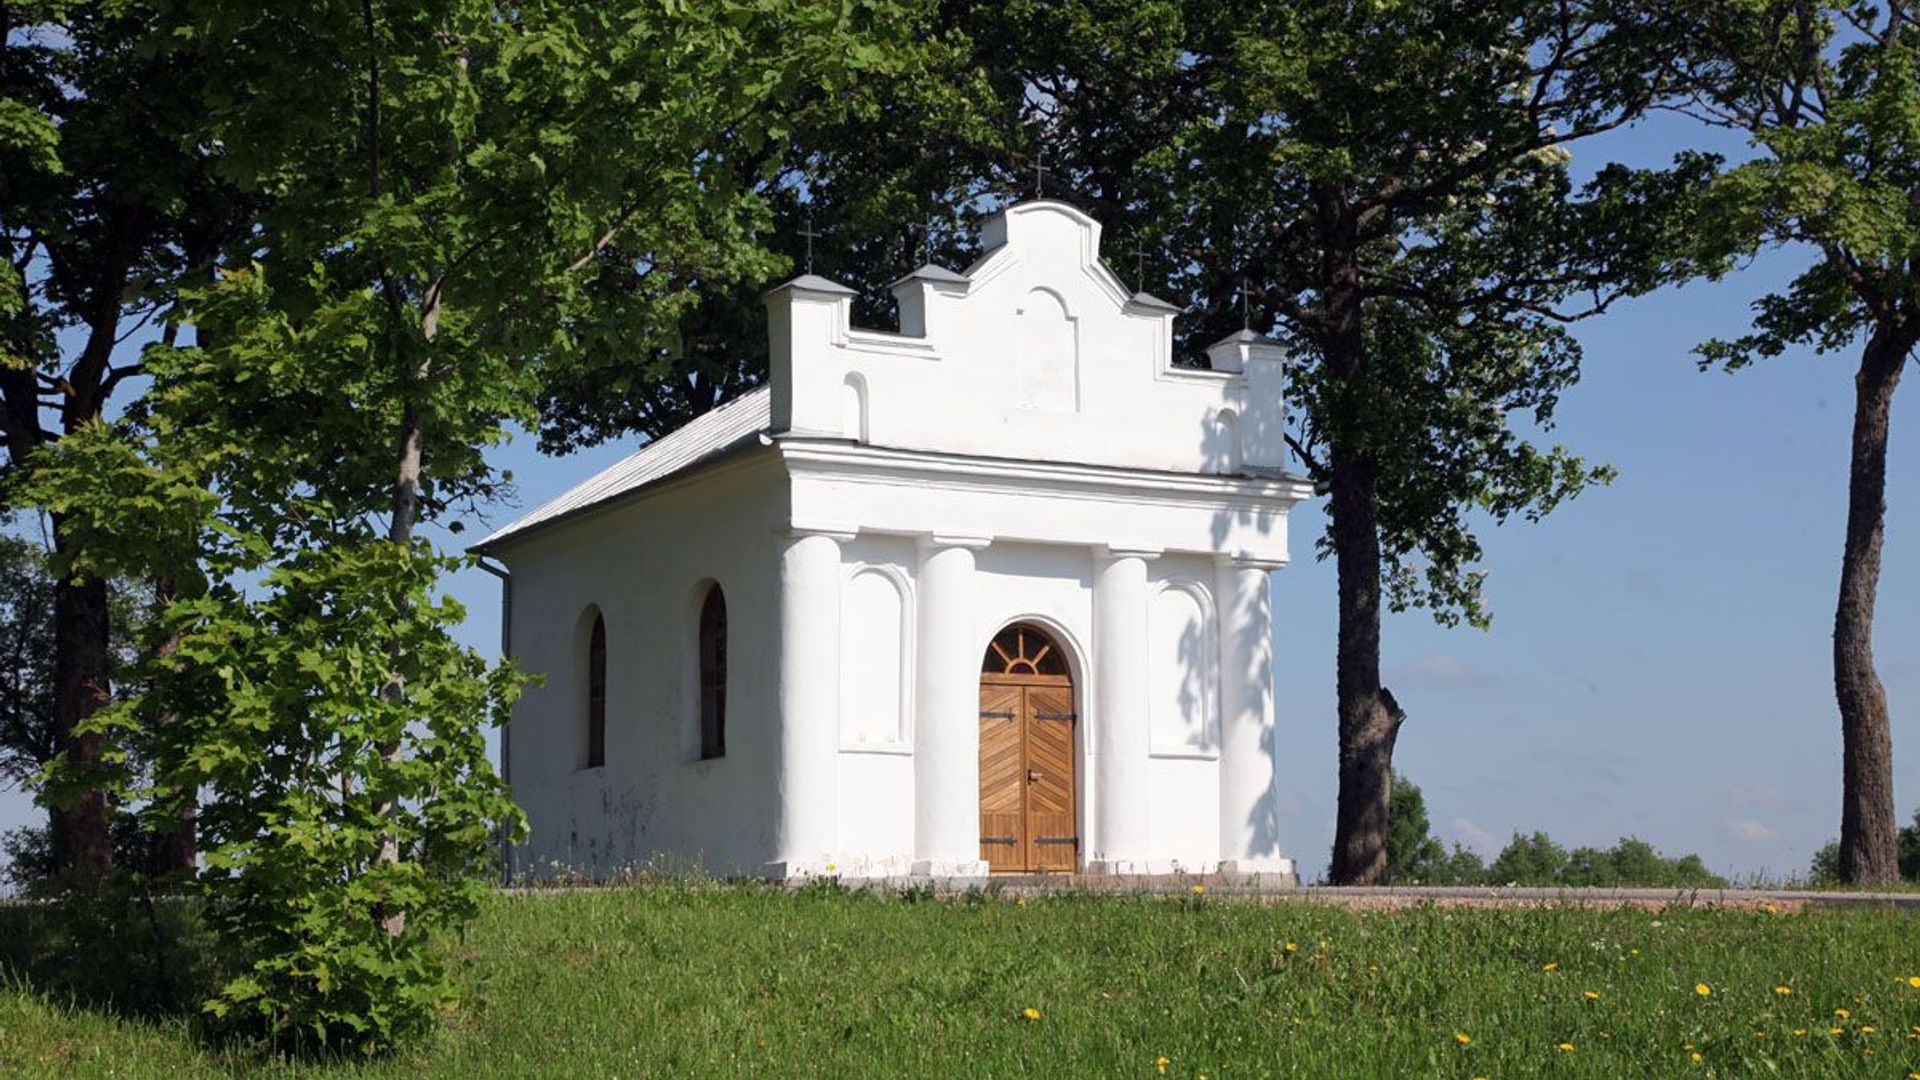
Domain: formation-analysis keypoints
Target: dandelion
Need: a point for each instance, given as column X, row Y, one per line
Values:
column 1462, row 1038
column 1199, row 889
column 1551, row 965
column 1633, row 952
column 1834, row 1031
column 1292, row 946
column 1030, row 1013
column 1590, row 995
column 1914, row 981
column 1769, row 908
column 1703, row 989
column 1867, row 1029
column 1843, row 1014
column 1694, row 1057
column 1783, row 991
column 1162, row 1062
column 1800, row 1032
column 1564, row 1047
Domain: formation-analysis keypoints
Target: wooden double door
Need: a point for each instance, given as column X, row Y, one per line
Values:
column 1026, row 756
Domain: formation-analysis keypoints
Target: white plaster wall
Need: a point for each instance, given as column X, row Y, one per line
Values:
column 1184, row 794
column 1038, row 353
column 653, row 803
column 875, row 778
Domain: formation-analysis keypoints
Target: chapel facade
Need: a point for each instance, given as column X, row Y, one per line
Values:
column 987, row 594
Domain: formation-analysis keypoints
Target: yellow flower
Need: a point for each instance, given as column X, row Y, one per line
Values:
column 1694, row 1057
column 1867, row 1029
column 1590, row 995
column 1198, row 889
column 1633, row 952
column 1030, row 1013
column 1462, row 1038
column 1162, row 1062
column 1914, row 981
column 1799, row 1031
column 1783, row 991
column 1833, row 1031
column 1551, row 965
column 1702, row 989
column 1566, row 1046
column 1769, row 908
column 1292, row 947
column 1843, row 1014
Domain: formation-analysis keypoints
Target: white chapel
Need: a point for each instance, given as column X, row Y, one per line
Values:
column 985, row 595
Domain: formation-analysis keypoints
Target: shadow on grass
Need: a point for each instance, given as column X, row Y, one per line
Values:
column 122, row 950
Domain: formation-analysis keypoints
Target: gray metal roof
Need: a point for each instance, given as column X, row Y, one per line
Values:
column 708, row 436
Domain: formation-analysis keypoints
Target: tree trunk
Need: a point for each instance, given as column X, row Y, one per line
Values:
column 1369, row 716
column 1868, row 848
column 82, row 841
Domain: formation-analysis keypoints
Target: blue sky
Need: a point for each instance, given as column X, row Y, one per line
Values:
column 1659, row 662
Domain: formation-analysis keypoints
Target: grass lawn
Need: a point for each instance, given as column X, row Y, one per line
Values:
column 733, row 980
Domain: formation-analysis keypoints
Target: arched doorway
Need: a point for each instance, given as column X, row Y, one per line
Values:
column 1026, row 754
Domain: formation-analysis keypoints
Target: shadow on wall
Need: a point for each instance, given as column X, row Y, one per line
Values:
column 1222, row 441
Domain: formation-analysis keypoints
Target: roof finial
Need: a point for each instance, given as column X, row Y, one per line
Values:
column 810, row 235
column 1246, row 307
column 1040, row 172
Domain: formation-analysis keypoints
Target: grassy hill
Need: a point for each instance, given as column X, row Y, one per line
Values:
column 707, row 981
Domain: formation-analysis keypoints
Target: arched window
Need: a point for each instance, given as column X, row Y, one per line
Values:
column 597, row 693
column 1023, row 649
column 713, row 674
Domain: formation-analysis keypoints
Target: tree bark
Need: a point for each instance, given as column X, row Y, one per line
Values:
column 1868, row 846
column 1369, row 717
column 79, row 823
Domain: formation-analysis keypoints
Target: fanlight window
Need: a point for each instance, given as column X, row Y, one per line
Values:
column 597, row 694
column 1023, row 649
column 713, row 674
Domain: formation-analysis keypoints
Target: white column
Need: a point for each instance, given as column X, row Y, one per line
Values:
column 1249, row 843
column 946, row 721
column 809, row 696
column 1120, row 730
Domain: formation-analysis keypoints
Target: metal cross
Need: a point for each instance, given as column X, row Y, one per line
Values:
column 1040, row 172
column 810, row 235
column 1246, row 309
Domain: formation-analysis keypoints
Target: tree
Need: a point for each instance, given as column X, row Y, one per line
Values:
column 109, row 207
column 1420, row 249
column 1528, row 860
column 462, row 205
column 1829, row 94
column 1910, row 849
column 1413, row 852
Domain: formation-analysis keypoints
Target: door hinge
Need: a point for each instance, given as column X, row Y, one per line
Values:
column 1056, row 716
column 1074, row 840
column 999, row 840
column 997, row 715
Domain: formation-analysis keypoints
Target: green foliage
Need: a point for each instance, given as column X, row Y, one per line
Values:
column 1421, row 251
column 456, row 211
column 119, row 948
column 1631, row 863
column 1825, row 867
column 1414, row 854
column 1910, row 850
column 751, row 981
column 1830, row 94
